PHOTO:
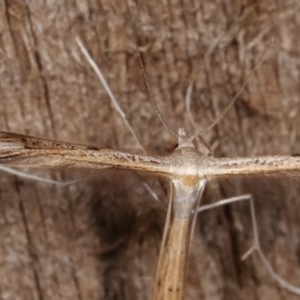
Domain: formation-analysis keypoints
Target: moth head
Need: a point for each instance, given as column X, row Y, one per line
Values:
column 183, row 140
column 194, row 142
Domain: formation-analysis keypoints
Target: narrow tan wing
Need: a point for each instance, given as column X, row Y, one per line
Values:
column 216, row 167
column 23, row 150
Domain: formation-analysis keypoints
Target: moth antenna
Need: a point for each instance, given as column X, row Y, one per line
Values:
column 115, row 104
column 188, row 100
column 235, row 98
column 194, row 124
column 145, row 76
column 109, row 92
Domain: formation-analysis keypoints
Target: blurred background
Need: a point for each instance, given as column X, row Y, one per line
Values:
column 100, row 238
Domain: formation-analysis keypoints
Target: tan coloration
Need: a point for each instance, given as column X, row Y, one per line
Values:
column 216, row 167
column 185, row 167
column 31, row 142
column 48, row 90
column 186, row 164
column 172, row 266
column 39, row 152
column 189, row 181
column 171, row 277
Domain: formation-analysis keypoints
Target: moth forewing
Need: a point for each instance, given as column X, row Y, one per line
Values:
column 23, row 150
column 172, row 265
column 218, row 167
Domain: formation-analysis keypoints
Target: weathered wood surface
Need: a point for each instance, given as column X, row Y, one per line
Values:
column 100, row 239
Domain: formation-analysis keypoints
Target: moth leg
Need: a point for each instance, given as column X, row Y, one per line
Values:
column 256, row 247
column 33, row 177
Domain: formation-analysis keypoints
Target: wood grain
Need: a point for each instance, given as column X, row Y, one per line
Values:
column 99, row 240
